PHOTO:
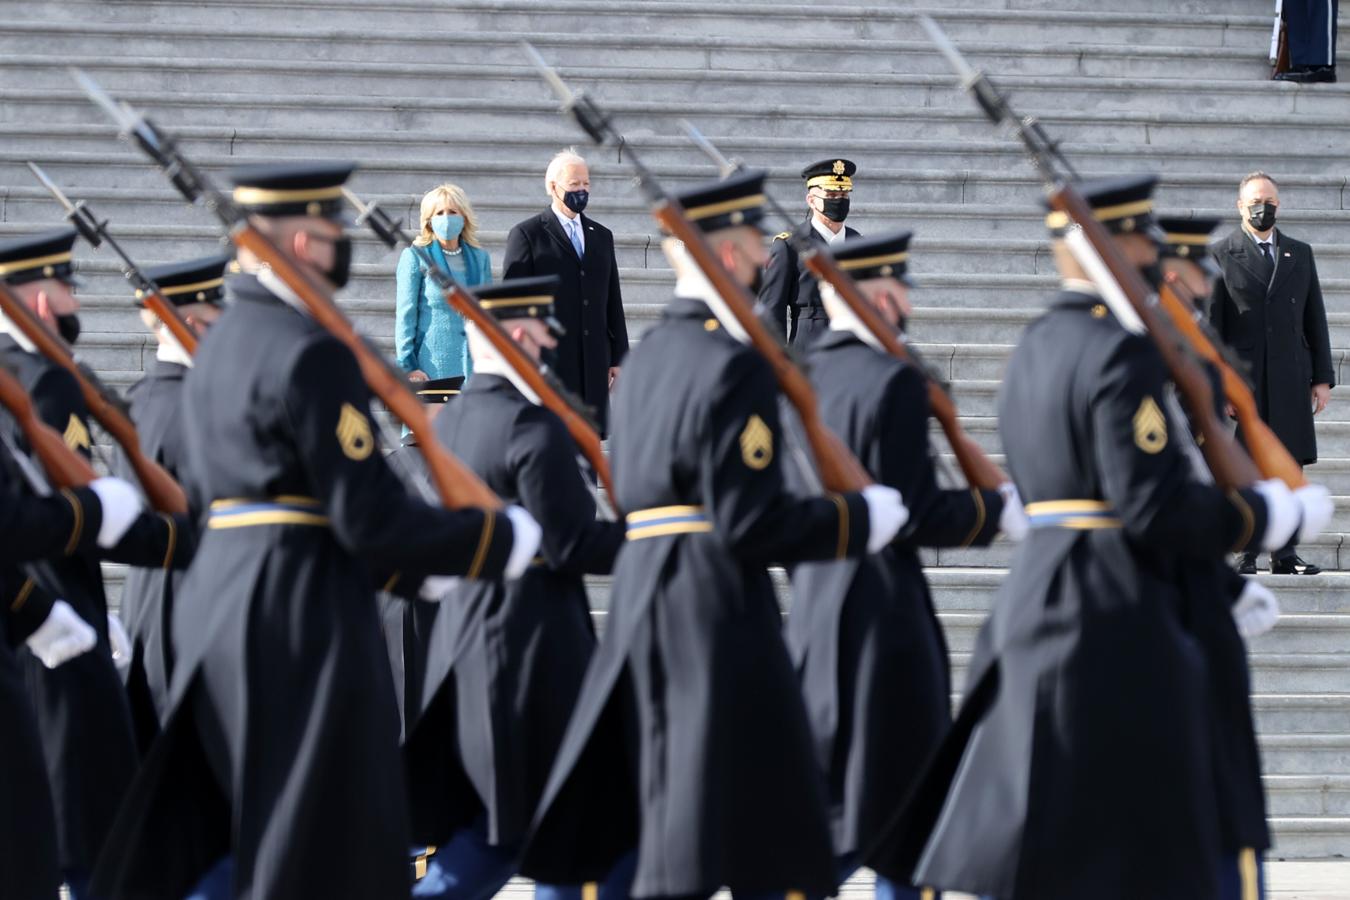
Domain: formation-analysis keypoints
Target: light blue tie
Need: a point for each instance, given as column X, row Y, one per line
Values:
column 574, row 232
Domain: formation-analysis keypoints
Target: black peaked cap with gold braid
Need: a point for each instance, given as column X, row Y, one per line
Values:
column 830, row 174
column 738, row 200
column 1188, row 238
column 882, row 256
column 194, row 281
column 38, row 256
column 440, row 390
column 292, row 189
column 522, row 298
column 1122, row 205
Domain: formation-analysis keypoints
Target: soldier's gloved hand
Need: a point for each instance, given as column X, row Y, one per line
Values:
column 1315, row 503
column 121, row 505
column 121, row 643
column 1013, row 521
column 886, row 515
column 1283, row 513
column 63, row 635
column 525, row 542
column 435, row 587
column 1256, row 610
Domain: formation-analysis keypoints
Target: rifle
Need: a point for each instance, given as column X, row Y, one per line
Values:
column 96, row 233
column 456, row 484
column 839, row 469
column 533, row 379
column 64, row 466
column 1123, row 287
column 979, row 469
column 108, row 409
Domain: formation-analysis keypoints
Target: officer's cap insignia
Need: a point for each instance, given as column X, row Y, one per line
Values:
column 839, row 167
column 76, row 434
column 756, row 443
column 354, row 434
column 1150, row 426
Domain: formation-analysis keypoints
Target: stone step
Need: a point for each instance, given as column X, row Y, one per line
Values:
column 1322, row 712
column 1312, row 837
column 1308, row 795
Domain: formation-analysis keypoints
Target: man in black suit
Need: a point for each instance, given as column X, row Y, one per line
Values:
column 1268, row 306
column 562, row 241
column 789, row 297
column 1312, row 40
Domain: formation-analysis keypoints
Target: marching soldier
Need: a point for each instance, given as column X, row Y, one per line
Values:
column 277, row 773
column 195, row 288
column 728, row 788
column 864, row 636
column 788, row 294
column 506, row 660
column 1080, row 763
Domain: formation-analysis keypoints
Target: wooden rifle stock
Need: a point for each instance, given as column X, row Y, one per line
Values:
column 164, row 493
column 1231, row 466
column 1267, row 450
column 839, row 469
column 456, row 484
column 168, row 314
column 64, row 466
column 979, row 469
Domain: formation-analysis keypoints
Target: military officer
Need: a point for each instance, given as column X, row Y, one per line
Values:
column 277, row 772
column 788, row 295
column 864, row 636
column 1079, row 764
column 728, row 789
column 195, row 288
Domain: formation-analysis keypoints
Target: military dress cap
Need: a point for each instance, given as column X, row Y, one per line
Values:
column 292, row 189
column 522, row 298
column 38, row 256
column 883, row 256
column 195, row 281
column 830, row 174
column 1189, row 238
column 440, row 390
column 738, row 200
column 1122, row 205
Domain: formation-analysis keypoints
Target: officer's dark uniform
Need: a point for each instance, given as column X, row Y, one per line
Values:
column 506, row 660
column 81, row 708
column 789, row 297
column 156, row 400
column 728, row 785
column 1079, row 765
column 280, row 747
column 864, row 635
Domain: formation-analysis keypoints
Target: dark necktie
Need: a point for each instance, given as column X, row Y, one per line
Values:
column 1269, row 260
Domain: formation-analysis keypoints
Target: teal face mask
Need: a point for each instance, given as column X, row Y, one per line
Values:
column 447, row 227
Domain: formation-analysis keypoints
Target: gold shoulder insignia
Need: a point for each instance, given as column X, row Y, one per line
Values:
column 782, row 236
column 1150, row 427
column 756, row 443
column 354, row 434
column 76, row 434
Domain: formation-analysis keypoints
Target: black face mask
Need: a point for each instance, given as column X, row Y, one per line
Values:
column 68, row 326
column 340, row 272
column 1153, row 274
column 548, row 358
column 834, row 208
column 1261, row 216
column 757, row 284
column 576, row 200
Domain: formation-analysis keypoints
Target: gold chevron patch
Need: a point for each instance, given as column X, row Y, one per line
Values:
column 756, row 443
column 354, row 434
column 76, row 434
column 1150, row 427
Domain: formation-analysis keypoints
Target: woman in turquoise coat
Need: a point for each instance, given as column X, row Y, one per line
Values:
column 429, row 337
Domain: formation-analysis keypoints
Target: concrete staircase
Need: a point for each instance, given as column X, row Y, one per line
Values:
column 438, row 90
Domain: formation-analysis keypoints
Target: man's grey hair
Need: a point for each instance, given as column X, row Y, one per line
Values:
column 1258, row 175
column 568, row 156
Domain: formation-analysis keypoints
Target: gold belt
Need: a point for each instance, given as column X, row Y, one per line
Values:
column 660, row 521
column 285, row 510
column 1079, row 515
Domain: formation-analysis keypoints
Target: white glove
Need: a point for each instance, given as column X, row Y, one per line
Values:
column 120, row 642
column 1315, row 501
column 435, row 587
column 121, row 505
column 1282, row 513
column 1013, row 521
column 1256, row 610
column 525, row 542
column 886, row 515
column 63, row 635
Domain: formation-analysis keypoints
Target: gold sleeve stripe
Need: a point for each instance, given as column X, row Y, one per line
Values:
column 1248, row 521
column 590, row 891
column 173, row 540
column 484, row 542
column 1247, row 872
column 77, row 529
column 981, row 514
column 841, row 549
column 22, row 597
column 393, row 580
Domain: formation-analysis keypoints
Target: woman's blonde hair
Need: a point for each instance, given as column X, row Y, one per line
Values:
column 453, row 195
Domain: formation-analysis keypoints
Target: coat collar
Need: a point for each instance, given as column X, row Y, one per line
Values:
column 1240, row 246
column 555, row 231
column 169, row 371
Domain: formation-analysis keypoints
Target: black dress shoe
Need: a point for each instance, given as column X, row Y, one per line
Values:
column 1308, row 74
column 1293, row 565
column 1247, row 566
